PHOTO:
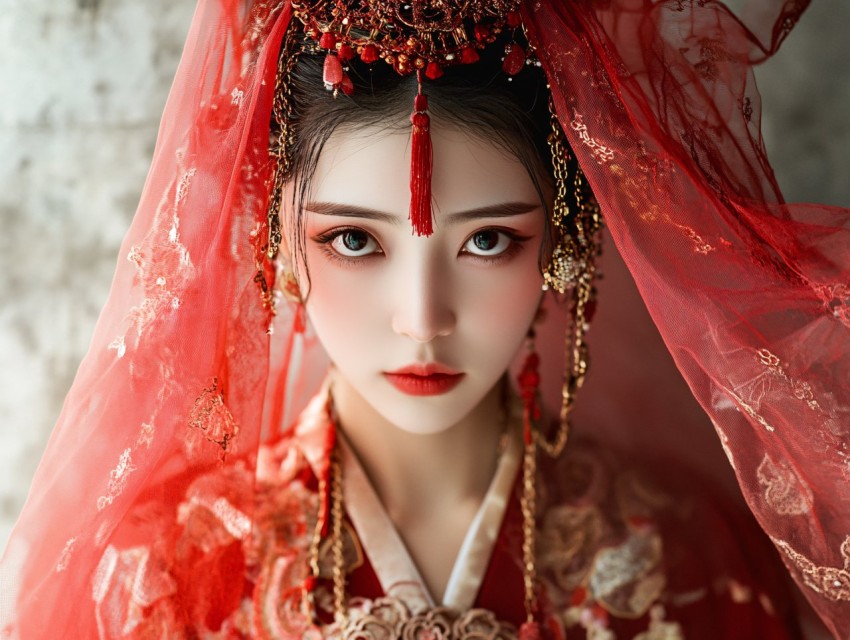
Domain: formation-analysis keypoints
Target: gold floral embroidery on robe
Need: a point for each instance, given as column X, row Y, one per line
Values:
column 391, row 619
column 235, row 560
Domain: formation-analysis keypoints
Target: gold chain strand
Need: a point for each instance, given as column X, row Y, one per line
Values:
column 564, row 267
column 528, row 503
column 282, row 113
column 559, row 271
column 588, row 228
column 315, row 545
column 572, row 263
column 587, row 224
column 340, row 612
column 281, row 138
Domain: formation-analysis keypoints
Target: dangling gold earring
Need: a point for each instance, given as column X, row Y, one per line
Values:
column 577, row 223
column 587, row 224
column 561, row 270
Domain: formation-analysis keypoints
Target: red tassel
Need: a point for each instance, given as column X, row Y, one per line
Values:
column 325, row 506
column 310, row 584
column 530, row 631
column 299, row 322
column 469, row 55
column 528, row 382
column 433, row 71
column 421, row 166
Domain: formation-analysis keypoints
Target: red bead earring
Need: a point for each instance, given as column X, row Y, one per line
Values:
column 529, row 383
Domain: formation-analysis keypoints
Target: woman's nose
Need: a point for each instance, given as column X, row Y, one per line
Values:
column 422, row 308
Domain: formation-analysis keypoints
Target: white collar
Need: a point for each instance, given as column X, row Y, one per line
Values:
column 390, row 559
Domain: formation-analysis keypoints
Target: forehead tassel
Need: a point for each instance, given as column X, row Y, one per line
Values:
column 421, row 165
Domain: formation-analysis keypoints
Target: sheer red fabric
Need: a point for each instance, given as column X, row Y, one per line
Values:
column 748, row 292
column 187, row 366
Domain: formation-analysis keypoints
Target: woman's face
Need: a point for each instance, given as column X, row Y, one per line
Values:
column 421, row 328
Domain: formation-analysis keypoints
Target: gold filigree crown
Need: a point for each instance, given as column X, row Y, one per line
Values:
column 412, row 35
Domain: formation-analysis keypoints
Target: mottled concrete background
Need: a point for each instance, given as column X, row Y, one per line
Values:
column 83, row 83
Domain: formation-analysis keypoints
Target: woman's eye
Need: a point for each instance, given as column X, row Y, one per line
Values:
column 487, row 242
column 353, row 243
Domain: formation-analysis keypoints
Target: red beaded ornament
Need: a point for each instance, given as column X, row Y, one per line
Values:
column 530, row 631
column 412, row 36
column 528, row 382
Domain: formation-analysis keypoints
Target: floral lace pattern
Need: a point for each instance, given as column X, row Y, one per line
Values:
column 784, row 492
column 211, row 418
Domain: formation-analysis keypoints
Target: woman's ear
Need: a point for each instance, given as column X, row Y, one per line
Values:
column 285, row 279
column 286, row 269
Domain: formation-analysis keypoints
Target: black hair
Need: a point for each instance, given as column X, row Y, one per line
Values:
column 479, row 98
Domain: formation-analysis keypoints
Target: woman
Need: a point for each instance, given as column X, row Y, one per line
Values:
column 182, row 524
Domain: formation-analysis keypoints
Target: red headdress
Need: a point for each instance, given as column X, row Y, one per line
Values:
column 421, row 38
column 750, row 293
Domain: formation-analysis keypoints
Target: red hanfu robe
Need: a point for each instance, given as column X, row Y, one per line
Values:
column 618, row 556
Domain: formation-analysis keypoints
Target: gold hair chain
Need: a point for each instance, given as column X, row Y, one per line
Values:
column 572, row 264
column 281, row 144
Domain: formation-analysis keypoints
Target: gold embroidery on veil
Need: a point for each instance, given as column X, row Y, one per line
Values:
column 831, row 582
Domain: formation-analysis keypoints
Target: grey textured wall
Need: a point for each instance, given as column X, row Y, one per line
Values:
column 806, row 106
column 82, row 85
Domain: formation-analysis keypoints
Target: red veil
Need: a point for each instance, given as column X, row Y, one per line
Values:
column 750, row 294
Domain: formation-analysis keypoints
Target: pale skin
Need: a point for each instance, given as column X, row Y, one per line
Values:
column 381, row 298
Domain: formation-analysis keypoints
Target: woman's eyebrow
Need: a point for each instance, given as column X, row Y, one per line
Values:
column 350, row 211
column 501, row 210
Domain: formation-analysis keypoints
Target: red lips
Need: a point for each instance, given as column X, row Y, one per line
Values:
column 429, row 379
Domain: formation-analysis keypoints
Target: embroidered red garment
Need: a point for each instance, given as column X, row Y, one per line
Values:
column 619, row 556
column 183, row 380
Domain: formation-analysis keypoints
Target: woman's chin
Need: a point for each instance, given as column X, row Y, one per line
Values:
column 410, row 412
column 430, row 414
column 423, row 415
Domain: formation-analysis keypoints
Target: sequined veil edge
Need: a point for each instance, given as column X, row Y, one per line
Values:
column 748, row 292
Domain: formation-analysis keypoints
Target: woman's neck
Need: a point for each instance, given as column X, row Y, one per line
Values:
column 420, row 476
